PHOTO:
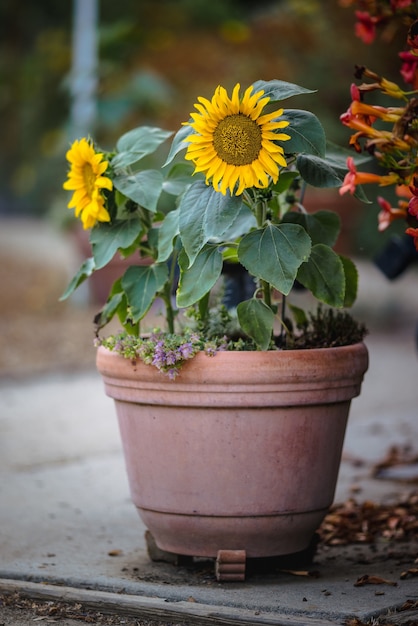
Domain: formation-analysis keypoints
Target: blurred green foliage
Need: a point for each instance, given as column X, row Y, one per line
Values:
column 155, row 58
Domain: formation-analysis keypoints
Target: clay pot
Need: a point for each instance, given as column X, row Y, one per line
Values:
column 241, row 451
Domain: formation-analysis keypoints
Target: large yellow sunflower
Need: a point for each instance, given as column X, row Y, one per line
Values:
column 86, row 180
column 234, row 145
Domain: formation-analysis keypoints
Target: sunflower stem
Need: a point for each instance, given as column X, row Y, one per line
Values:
column 260, row 213
column 282, row 325
column 261, row 216
column 266, row 287
column 169, row 312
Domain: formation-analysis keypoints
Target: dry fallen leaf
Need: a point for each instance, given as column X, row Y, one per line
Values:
column 409, row 573
column 373, row 580
column 353, row 522
column 115, row 552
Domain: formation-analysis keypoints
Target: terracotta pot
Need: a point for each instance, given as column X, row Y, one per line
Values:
column 241, row 451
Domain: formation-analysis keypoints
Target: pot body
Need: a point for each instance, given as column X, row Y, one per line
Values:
column 241, row 451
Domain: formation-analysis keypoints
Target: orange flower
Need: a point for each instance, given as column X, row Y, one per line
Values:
column 389, row 214
column 387, row 114
column 414, row 233
column 354, row 178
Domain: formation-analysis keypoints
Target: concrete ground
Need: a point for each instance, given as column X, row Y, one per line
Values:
column 68, row 530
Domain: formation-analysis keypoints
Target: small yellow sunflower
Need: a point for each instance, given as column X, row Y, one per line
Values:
column 86, row 180
column 234, row 144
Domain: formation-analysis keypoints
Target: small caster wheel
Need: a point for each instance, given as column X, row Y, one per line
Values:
column 230, row 565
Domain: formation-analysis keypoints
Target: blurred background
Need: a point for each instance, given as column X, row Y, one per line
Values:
column 102, row 67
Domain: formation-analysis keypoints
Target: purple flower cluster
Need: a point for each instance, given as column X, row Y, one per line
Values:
column 168, row 352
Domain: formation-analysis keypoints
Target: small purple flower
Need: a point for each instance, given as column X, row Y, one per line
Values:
column 172, row 373
column 170, row 357
column 186, row 350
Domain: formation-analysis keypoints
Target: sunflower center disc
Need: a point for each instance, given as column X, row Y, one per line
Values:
column 237, row 140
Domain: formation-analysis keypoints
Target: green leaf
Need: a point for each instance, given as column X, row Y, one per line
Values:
column 279, row 89
column 168, row 230
column 109, row 310
column 178, row 178
column 141, row 285
column 137, row 143
column 197, row 280
column 87, row 268
column 205, row 214
column 306, row 132
column 330, row 170
column 284, row 181
column 338, row 155
column 107, row 238
column 299, row 315
column 256, row 320
column 178, row 144
column 144, row 187
column 319, row 172
column 275, row 253
column 323, row 274
column 243, row 222
column 351, row 281
column 322, row 226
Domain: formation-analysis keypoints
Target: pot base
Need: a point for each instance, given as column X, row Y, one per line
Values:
column 259, row 536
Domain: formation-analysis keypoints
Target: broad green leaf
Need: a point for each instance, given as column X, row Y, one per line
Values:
column 141, row 285
column 107, row 238
column 322, row 226
column 306, row 132
column 87, row 268
column 136, row 144
column 323, row 275
column 144, row 187
column 168, row 230
column 256, row 320
column 205, row 215
column 351, row 281
column 331, row 170
column 197, row 280
column 243, row 222
column 339, row 154
column 178, row 144
column 279, row 89
column 178, row 179
column 109, row 310
column 275, row 253
column 319, row 172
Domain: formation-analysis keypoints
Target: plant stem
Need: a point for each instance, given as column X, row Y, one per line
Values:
column 282, row 316
column 266, row 287
column 169, row 313
column 167, row 293
column 261, row 214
